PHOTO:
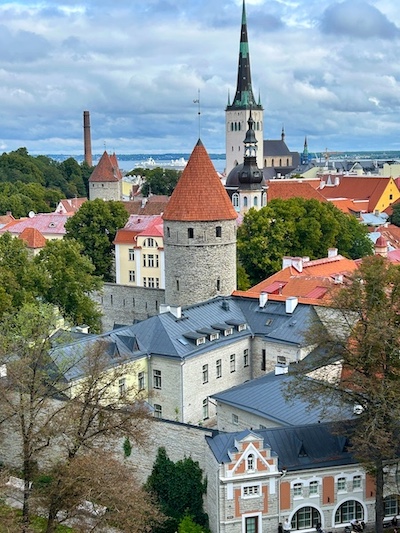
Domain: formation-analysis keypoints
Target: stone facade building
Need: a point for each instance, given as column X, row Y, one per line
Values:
column 106, row 180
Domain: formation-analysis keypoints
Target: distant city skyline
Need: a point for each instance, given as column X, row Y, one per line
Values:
column 325, row 69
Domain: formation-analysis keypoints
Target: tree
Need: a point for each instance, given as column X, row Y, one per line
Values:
column 158, row 180
column 296, row 227
column 360, row 330
column 66, row 280
column 51, row 418
column 95, row 226
column 179, row 488
column 395, row 218
column 187, row 525
column 97, row 491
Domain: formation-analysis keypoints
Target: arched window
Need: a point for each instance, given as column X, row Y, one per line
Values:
column 264, row 199
column 150, row 243
column 392, row 506
column 235, row 126
column 239, row 126
column 349, row 510
column 231, row 126
column 245, row 201
column 250, row 462
column 235, row 199
column 306, row 518
column 255, row 201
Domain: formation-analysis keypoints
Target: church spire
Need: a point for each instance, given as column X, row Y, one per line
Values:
column 244, row 97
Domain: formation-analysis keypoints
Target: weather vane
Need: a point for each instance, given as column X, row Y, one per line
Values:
column 197, row 101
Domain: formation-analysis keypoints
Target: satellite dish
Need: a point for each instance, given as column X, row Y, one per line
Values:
column 31, row 214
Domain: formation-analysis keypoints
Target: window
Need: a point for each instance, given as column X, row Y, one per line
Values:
column 157, row 410
column 141, row 380
column 281, row 360
column 246, row 357
column 341, row 483
column 392, row 507
column 177, row 284
column 218, row 231
column 305, row 518
column 218, row 366
column 313, row 487
column 255, row 201
column 150, row 282
column 132, row 276
column 251, row 490
column 157, row 379
column 200, row 340
column 250, row 463
column 357, row 482
column 150, row 243
column 205, row 408
column 251, row 524
column 228, row 331
column 131, row 254
column 263, row 359
column 245, row 201
column 347, row 511
column 235, row 200
column 122, row 386
column 235, row 419
column 232, row 361
column 218, row 284
column 190, row 233
column 298, row 489
column 205, row 373
column 242, row 327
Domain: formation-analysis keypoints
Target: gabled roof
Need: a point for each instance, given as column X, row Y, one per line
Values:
column 276, row 148
column 199, row 195
column 359, row 188
column 33, row 238
column 106, row 170
column 70, row 205
column 265, row 398
column 298, row 448
column 5, row 219
column 285, row 189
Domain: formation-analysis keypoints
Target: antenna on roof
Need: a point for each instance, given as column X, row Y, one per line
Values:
column 197, row 101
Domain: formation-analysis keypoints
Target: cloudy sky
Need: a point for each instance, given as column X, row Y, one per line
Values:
column 324, row 68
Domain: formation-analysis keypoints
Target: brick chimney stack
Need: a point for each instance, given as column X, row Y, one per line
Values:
column 86, row 138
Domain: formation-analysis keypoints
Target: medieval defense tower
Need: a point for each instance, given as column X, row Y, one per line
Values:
column 199, row 235
column 238, row 112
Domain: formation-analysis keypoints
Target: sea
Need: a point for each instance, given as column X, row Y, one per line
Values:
column 129, row 162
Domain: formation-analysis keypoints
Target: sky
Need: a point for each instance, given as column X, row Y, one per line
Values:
column 325, row 69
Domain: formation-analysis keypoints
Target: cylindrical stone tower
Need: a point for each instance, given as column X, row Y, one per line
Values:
column 199, row 235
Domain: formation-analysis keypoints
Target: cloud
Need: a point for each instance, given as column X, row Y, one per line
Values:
column 357, row 19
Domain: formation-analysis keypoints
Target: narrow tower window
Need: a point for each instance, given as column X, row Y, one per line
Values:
column 190, row 233
column 218, row 231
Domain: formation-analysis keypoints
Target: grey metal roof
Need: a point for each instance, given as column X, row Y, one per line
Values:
column 274, row 323
column 297, row 448
column 275, row 148
column 264, row 397
column 166, row 335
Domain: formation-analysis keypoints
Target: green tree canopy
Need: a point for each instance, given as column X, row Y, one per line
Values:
column 179, row 488
column 95, row 226
column 395, row 218
column 66, row 279
column 158, row 180
column 296, row 227
column 361, row 332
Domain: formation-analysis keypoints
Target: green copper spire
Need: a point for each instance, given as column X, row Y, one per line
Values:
column 244, row 97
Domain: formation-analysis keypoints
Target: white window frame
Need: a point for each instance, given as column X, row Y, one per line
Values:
column 205, row 373
column 218, row 368
column 157, row 383
column 232, row 363
column 131, row 254
column 251, row 491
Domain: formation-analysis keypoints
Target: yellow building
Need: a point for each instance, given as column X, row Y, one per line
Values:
column 139, row 252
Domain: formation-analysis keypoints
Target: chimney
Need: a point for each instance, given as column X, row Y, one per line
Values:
column 175, row 310
column 263, row 299
column 87, row 139
column 291, row 304
column 332, row 252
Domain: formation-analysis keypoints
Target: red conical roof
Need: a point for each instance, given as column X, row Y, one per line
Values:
column 106, row 169
column 199, row 195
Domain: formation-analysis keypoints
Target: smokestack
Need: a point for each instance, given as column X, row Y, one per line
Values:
column 86, row 138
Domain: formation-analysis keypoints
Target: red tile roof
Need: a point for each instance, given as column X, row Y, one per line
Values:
column 199, row 194
column 153, row 205
column 33, row 238
column 285, row 189
column 70, row 205
column 359, row 188
column 5, row 219
column 106, row 170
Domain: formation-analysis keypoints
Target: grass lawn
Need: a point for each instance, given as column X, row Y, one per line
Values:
column 10, row 517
